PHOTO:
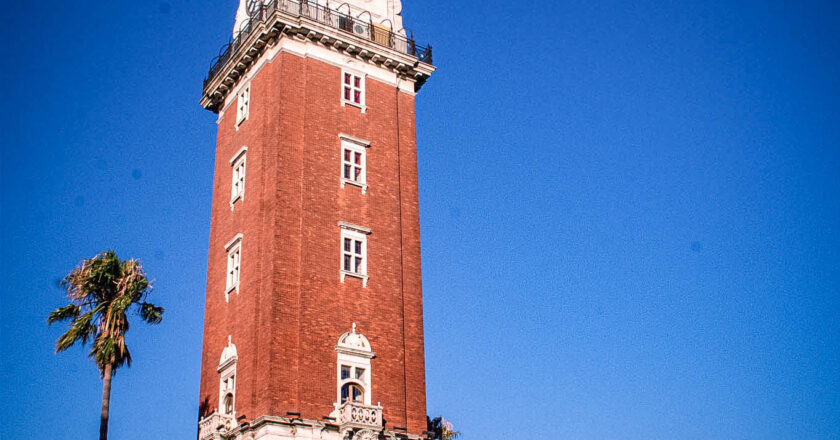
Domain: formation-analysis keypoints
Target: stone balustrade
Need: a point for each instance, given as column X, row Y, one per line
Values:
column 358, row 415
column 213, row 426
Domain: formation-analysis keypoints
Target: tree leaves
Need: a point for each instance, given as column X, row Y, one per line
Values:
column 70, row 311
column 101, row 291
column 151, row 313
column 441, row 429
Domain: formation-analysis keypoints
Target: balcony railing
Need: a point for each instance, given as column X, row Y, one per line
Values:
column 303, row 8
column 357, row 415
column 214, row 426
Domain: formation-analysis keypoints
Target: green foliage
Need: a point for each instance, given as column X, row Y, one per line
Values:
column 441, row 429
column 102, row 290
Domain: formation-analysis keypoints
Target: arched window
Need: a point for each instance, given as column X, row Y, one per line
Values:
column 353, row 368
column 353, row 392
column 227, row 407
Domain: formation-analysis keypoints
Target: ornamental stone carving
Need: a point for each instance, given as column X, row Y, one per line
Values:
column 366, row 434
column 354, row 341
column 215, row 426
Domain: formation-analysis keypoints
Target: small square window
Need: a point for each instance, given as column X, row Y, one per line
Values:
column 360, row 373
column 353, row 90
column 345, row 372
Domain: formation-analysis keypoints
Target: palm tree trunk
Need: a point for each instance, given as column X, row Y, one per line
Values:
column 106, row 402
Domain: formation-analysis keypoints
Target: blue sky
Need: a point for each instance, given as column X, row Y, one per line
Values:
column 630, row 213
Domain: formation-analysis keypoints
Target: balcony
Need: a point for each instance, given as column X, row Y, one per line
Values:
column 274, row 16
column 214, row 426
column 355, row 415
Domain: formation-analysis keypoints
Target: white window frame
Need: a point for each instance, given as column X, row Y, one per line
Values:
column 354, row 145
column 354, row 233
column 354, row 363
column 237, row 184
column 233, row 275
column 354, row 358
column 362, row 79
column 243, row 104
column 227, row 380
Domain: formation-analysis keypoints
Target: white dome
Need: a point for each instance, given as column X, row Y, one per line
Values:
column 354, row 341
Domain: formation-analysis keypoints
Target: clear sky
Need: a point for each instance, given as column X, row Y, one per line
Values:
column 630, row 213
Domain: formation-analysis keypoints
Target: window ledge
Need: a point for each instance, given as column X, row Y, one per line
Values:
column 344, row 181
column 362, row 107
column 231, row 289
column 347, row 273
column 236, row 199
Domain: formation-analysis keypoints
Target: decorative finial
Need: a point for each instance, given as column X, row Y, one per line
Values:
column 230, row 340
column 354, row 327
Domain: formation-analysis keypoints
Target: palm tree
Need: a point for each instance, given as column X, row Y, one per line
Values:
column 101, row 291
column 441, row 429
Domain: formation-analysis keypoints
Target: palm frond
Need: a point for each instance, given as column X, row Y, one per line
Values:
column 101, row 291
column 70, row 311
column 151, row 313
column 81, row 329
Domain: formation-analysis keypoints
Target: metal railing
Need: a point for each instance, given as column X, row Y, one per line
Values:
column 303, row 8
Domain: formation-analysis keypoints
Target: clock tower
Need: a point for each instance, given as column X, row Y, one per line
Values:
column 314, row 317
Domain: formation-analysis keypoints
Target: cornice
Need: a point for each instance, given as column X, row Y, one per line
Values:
column 293, row 422
column 283, row 25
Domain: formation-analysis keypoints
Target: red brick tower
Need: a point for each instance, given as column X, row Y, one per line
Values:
column 313, row 319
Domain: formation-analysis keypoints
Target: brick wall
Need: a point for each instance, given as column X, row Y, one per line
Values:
column 292, row 306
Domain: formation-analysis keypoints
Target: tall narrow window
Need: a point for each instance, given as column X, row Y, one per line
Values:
column 234, row 263
column 353, row 89
column 243, row 104
column 227, row 380
column 354, row 257
column 353, row 162
column 354, row 252
column 354, row 366
column 237, row 186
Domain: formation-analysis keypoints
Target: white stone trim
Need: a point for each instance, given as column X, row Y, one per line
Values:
column 352, row 227
column 308, row 49
column 236, row 238
column 354, row 359
column 238, row 154
column 274, row 427
column 347, row 273
column 354, row 139
column 228, row 379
